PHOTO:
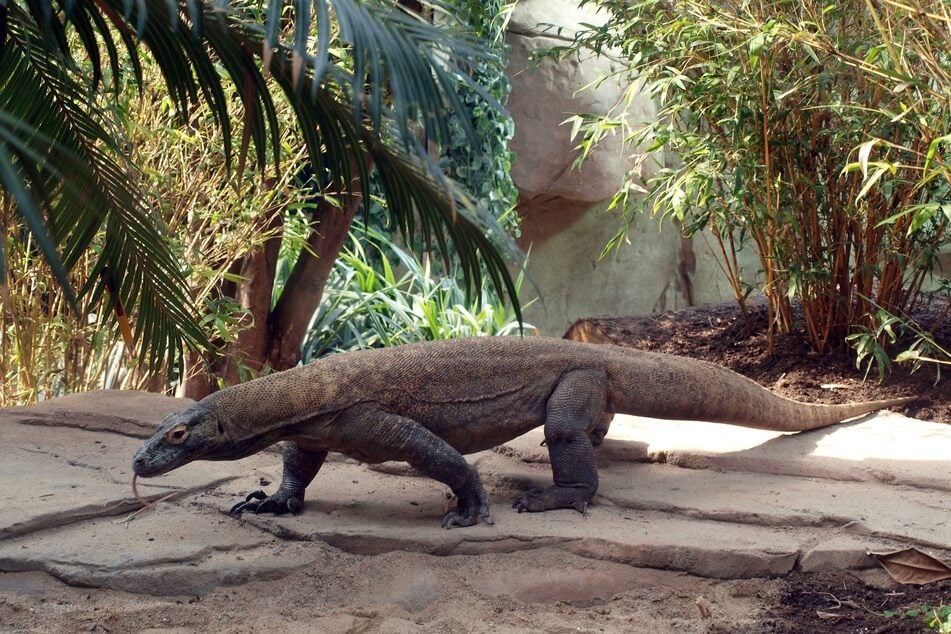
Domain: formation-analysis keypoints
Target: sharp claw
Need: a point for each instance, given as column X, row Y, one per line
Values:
column 260, row 502
column 454, row 519
column 240, row 507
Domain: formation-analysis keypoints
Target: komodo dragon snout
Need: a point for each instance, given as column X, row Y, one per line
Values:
column 182, row 437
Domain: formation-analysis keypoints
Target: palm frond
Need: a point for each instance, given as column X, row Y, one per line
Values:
column 63, row 160
column 422, row 201
column 69, row 157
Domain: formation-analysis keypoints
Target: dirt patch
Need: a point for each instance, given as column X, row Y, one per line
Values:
column 829, row 602
column 718, row 333
column 408, row 592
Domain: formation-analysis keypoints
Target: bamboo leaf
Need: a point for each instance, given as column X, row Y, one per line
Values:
column 933, row 148
column 30, row 213
column 865, row 150
column 870, row 181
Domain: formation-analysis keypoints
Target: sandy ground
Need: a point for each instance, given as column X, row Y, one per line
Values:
column 542, row 590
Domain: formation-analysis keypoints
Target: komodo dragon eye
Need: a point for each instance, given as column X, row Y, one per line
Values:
column 177, row 435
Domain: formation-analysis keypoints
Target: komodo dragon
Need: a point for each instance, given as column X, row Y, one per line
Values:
column 429, row 403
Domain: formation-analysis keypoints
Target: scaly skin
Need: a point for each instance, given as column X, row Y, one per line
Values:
column 428, row 404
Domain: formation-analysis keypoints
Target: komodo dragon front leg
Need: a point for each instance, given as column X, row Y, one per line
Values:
column 575, row 410
column 300, row 467
column 369, row 434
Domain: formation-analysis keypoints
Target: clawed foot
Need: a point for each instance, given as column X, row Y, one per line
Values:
column 469, row 510
column 538, row 500
column 467, row 518
column 260, row 502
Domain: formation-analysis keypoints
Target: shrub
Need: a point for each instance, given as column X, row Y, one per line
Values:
column 813, row 131
column 368, row 304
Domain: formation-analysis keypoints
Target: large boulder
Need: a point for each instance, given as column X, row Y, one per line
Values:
column 545, row 94
column 564, row 224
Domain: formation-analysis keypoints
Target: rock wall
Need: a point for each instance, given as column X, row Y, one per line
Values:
column 565, row 226
column 659, row 270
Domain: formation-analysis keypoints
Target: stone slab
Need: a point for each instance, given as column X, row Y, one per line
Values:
column 883, row 447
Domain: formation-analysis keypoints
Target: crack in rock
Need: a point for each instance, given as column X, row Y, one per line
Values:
column 119, row 425
column 859, row 528
column 72, row 462
column 712, row 563
column 160, row 577
column 364, row 544
column 111, row 508
column 59, row 519
column 771, row 520
column 194, row 558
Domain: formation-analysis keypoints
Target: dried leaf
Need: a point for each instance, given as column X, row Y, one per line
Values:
column 911, row 566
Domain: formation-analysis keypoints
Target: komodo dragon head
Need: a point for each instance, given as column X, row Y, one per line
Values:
column 192, row 434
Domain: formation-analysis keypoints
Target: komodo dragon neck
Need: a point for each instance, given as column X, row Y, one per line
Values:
column 282, row 399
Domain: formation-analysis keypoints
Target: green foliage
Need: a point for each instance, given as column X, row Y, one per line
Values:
column 364, row 80
column 869, row 345
column 43, row 351
column 211, row 220
column 484, row 169
column 937, row 618
column 815, row 132
column 369, row 305
column 426, row 302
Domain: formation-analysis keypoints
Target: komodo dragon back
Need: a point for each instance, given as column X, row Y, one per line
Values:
column 640, row 383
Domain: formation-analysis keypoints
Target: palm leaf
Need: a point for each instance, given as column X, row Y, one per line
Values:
column 69, row 157
column 62, row 158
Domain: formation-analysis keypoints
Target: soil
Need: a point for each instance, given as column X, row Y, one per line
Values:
column 719, row 333
column 827, row 602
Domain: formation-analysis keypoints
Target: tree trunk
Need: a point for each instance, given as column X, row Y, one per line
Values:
column 246, row 356
column 273, row 340
column 305, row 285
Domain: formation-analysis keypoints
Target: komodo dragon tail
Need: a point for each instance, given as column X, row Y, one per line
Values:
column 668, row 386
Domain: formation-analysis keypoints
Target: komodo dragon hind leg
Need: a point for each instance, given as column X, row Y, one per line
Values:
column 300, row 467
column 576, row 406
column 367, row 433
